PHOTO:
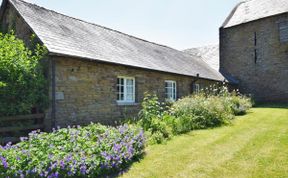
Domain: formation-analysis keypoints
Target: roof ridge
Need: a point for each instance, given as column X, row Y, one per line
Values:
column 91, row 23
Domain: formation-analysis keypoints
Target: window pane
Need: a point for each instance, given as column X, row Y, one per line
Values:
column 129, row 89
column 166, row 91
column 283, row 31
column 122, row 96
column 129, row 97
column 169, row 84
column 120, row 81
column 129, row 82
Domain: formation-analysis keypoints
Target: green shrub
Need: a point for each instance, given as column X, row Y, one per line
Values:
column 237, row 102
column 240, row 104
column 22, row 82
column 199, row 112
column 212, row 107
column 151, row 119
column 90, row 151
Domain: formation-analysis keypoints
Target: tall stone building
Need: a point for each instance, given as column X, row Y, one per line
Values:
column 254, row 48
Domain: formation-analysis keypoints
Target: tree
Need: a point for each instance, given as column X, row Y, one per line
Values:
column 22, row 82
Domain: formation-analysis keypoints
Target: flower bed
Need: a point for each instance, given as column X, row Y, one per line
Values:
column 73, row 152
column 212, row 107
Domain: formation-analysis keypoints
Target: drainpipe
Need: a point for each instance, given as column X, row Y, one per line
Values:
column 53, row 85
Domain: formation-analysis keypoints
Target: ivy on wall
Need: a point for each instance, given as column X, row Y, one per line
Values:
column 23, row 85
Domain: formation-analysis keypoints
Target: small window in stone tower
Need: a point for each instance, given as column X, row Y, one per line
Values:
column 283, row 31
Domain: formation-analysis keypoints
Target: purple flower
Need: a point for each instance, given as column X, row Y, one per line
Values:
column 4, row 162
column 22, row 139
column 62, row 164
column 83, row 169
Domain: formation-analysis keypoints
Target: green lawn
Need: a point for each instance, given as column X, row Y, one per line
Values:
column 255, row 145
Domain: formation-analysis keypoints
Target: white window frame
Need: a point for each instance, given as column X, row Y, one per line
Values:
column 173, row 95
column 125, row 100
column 197, row 88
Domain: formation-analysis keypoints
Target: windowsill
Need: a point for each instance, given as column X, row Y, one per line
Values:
column 123, row 103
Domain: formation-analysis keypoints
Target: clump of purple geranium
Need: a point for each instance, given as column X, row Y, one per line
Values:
column 73, row 152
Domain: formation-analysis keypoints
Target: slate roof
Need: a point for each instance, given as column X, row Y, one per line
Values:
column 251, row 10
column 64, row 35
column 209, row 54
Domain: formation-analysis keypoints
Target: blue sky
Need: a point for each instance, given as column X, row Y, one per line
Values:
column 177, row 23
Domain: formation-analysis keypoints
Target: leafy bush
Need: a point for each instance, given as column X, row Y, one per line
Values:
column 212, row 107
column 199, row 112
column 73, row 152
column 151, row 119
column 240, row 104
column 237, row 102
column 22, row 82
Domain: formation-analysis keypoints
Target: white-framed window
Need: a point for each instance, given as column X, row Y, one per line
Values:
column 283, row 31
column 196, row 88
column 126, row 89
column 171, row 90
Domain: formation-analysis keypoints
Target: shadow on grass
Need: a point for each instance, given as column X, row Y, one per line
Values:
column 124, row 169
column 283, row 105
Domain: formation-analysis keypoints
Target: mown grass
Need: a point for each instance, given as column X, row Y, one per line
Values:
column 255, row 145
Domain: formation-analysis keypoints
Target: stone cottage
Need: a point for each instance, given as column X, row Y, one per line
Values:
column 254, row 48
column 99, row 74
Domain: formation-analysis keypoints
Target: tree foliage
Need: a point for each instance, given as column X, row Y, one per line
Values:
column 22, row 82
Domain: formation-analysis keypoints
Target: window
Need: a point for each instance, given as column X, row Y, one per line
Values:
column 126, row 89
column 196, row 88
column 283, row 31
column 170, row 90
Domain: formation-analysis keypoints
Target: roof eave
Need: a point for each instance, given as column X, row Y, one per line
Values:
column 107, row 62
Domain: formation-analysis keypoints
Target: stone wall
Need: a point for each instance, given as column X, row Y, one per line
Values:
column 265, row 77
column 11, row 20
column 86, row 90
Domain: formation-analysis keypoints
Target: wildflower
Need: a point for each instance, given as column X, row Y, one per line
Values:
column 4, row 162
column 83, row 169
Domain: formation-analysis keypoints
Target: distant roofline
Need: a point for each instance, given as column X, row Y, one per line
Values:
column 193, row 47
column 91, row 23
